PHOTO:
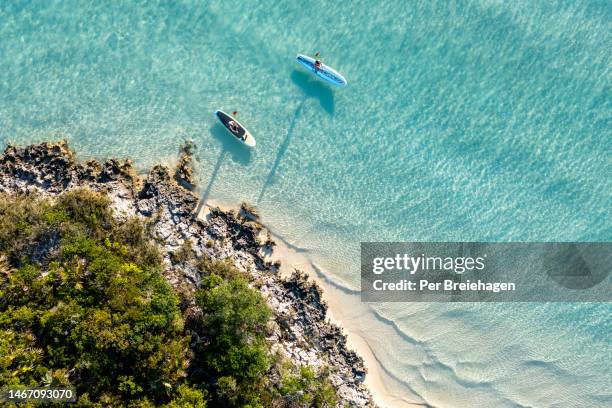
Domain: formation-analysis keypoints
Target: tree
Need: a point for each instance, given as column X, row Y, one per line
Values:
column 236, row 352
column 93, row 312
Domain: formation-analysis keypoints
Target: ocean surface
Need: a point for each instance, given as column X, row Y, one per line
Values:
column 463, row 120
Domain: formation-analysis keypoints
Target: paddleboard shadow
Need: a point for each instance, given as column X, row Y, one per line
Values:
column 281, row 151
column 239, row 152
column 204, row 195
column 314, row 88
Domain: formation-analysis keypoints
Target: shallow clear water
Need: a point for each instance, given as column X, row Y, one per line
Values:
column 480, row 120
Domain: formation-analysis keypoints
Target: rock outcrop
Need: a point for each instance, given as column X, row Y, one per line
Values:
column 184, row 173
column 301, row 332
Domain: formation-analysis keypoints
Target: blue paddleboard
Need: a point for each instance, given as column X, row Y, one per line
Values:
column 326, row 73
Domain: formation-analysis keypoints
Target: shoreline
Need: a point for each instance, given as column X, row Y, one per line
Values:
column 292, row 259
column 300, row 329
column 374, row 380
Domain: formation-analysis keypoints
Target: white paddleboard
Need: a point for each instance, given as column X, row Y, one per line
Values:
column 235, row 128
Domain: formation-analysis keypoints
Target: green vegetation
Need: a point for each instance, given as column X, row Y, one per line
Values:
column 83, row 304
column 93, row 311
column 307, row 388
column 234, row 319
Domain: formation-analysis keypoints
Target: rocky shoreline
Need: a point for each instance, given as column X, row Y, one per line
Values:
column 164, row 198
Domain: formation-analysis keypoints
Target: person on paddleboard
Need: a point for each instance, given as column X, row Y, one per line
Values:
column 233, row 125
column 317, row 64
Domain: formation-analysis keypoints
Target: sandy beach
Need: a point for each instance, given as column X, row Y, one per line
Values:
column 339, row 303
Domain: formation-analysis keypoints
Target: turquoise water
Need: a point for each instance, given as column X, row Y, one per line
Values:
column 480, row 120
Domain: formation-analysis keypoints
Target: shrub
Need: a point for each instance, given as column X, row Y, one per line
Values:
column 234, row 320
column 307, row 387
column 98, row 315
column 184, row 254
column 224, row 269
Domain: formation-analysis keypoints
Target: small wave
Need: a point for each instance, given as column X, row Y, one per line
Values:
column 289, row 244
column 336, row 284
column 399, row 380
